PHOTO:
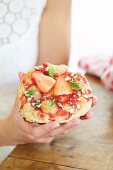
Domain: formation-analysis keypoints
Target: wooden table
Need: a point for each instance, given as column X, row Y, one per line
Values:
column 89, row 146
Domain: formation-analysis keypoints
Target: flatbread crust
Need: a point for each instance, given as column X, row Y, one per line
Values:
column 31, row 114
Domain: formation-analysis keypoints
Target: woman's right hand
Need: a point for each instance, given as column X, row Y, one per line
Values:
column 19, row 132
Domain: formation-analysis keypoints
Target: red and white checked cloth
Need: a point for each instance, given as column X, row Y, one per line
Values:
column 101, row 67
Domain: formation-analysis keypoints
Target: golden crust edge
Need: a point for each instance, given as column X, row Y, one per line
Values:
column 85, row 107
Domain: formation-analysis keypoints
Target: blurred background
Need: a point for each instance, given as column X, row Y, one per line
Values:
column 92, row 29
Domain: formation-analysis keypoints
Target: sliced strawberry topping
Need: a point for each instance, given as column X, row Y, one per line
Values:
column 44, row 83
column 62, row 87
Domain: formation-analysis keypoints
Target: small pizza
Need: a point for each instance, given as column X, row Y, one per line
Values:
column 53, row 93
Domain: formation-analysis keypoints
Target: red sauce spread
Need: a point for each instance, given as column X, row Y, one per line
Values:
column 42, row 115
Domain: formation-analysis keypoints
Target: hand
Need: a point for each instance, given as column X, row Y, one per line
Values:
column 23, row 132
column 16, row 131
column 64, row 128
column 89, row 114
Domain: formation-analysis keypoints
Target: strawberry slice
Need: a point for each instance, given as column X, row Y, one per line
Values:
column 62, row 87
column 44, row 83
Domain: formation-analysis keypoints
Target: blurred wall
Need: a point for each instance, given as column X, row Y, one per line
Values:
column 92, row 29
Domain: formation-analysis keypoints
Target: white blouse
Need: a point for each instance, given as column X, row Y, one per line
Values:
column 19, row 28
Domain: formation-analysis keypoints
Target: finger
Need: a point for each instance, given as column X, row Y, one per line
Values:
column 44, row 140
column 88, row 115
column 20, row 74
column 41, row 130
column 29, row 138
column 65, row 132
column 94, row 100
column 63, row 128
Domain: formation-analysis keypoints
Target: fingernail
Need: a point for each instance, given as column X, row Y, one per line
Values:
column 89, row 116
column 20, row 74
column 35, row 124
column 94, row 100
column 55, row 125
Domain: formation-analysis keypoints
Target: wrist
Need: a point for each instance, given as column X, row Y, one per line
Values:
column 7, row 132
column 5, row 138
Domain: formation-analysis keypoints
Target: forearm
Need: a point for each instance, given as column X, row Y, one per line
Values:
column 5, row 137
column 54, row 36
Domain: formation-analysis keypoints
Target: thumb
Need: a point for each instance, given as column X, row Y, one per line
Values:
column 20, row 74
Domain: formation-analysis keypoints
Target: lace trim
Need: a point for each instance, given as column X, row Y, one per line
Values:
column 16, row 17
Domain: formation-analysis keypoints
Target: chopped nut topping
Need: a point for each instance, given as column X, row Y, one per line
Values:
column 60, row 105
column 47, row 68
column 70, row 102
column 79, row 99
column 33, row 104
column 38, row 67
column 78, row 106
column 86, row 96
column 38, row 105
column 25, row 86
column 29, row 99
column 75, row 76
column 79, row 93
column 71, row 110
column 83, row 91
column 72, row 74
column 67, row 78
